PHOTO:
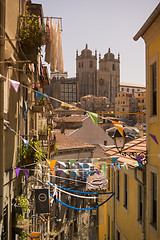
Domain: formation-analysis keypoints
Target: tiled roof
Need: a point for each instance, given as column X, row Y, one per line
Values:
column 137, row 145
column 65, row 142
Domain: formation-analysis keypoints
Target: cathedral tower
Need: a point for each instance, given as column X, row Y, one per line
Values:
column 86, row 73
column 108, row 76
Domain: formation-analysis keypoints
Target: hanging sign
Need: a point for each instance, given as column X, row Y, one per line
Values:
column 42, row 200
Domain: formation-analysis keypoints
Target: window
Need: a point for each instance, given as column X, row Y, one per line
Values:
column 154, row 200
column 118, row 234
column 140, row 203
column 105, row 143
column 154, row 88
column 122, row 89
column 91, row 64
column 82, row 64
column 133, row 91
column 125, row 191
column 113, row 67
column 123, row 109
column 79, row 65
column 118, row 185
column 127, row 89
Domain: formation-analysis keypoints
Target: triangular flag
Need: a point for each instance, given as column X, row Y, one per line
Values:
column 153, row 137
column 52, row 172
column 118, row 165
column 63, row 104
column 114, row 159
column 82, row 165
column 72, row 161
column 87, row 171
column 59, row 171
column 126, row 166
column 112, row 165
column 26, row 172
column 66, row 171
column 52, row 163
column 97, row 166
column 139, row 158
column 25, row 141
column 40, row 95
column 119, row 127
column 97, row 171
column 62, row 163
column 75, row 174
column 14, row 84
column 94, row 117
column 136, row 163
column 17, row 170
column 104, row 168
column 141, row 165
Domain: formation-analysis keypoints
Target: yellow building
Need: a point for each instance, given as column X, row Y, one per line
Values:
column 150, row 32
column 125, row 212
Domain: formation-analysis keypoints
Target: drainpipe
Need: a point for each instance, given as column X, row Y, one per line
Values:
column 2, row 54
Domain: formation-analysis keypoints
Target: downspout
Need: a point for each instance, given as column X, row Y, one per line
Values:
column 2, row 149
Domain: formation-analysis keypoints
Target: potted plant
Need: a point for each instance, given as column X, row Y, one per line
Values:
column 22, row 201
column 30, row 34
column 32, row 153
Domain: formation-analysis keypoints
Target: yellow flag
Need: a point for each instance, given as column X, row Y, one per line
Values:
column 52, row 172
column 52, row 163
column 98, row 168
column 119, row 127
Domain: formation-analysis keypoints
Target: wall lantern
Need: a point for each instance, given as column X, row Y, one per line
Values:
column 119, row 140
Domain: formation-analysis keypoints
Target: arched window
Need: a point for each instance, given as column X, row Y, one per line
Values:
column 113, row 67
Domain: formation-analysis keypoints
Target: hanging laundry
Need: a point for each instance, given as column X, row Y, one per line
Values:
column 48, row 42
column 54, row 49
column 59, row 50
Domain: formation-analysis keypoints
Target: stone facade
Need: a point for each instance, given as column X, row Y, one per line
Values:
column 86, row 73
column 131, row 87
column 125, row 104
column 108, row 76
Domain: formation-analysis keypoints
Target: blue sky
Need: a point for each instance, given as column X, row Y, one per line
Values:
column 103, row 24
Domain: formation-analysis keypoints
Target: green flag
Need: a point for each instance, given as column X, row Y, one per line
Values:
column 72, row 161
column 94, row 117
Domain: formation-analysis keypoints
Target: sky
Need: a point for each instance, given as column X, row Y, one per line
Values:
column 103, row 24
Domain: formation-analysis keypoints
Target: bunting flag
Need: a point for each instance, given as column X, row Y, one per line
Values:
column 139, row 158
column 66, row 171
column 52, row 163
column 17, row 170
column 25, row 142
column 112, row 165
column 136, row 163
column 14, row 84
column 104, row 168
column 87, row 171
column 119, row 127
column 114, row 159
column 53, row 172
column 75, row 174
column 59, row 171
column 94, row 117
column 97, row 171
column 62, row 163
column 82, row 165
column 153, row 137
column 141, row 165
column 72, row 161
column 63, row 104
column 118, row 165
column 26, row 172
column 40, row 95
column 97, row 166
column 125, row 166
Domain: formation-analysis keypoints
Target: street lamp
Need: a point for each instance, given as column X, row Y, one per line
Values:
column 119, row 140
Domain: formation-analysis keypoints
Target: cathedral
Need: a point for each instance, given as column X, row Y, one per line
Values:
column 102, row 82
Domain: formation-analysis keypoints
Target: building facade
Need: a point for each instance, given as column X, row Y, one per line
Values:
column 108, row 76
column 125, row 105
column 150, row 32
column 86, row 73
column 131, row 88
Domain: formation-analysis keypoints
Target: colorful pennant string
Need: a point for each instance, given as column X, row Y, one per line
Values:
column 17, row 170
column 72, row 161
column 114, row 159
column 14, row 84
column 40, row 95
